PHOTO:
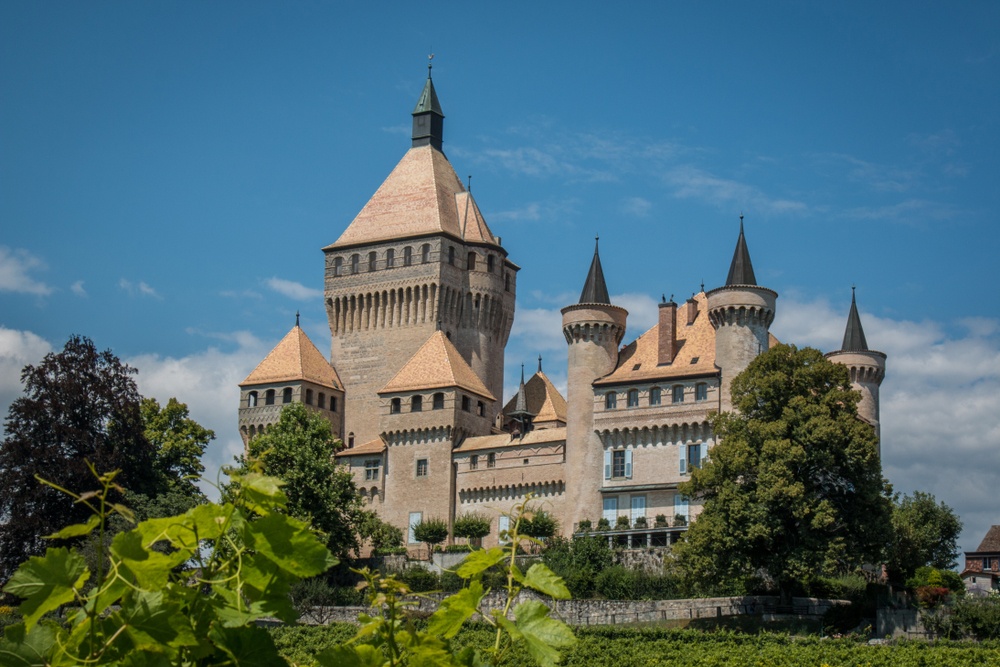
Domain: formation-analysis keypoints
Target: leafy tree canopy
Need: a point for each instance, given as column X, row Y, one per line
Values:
column 793, row 488
column 472, row 525
column 924, row 533
column 299, row 450
column 431, row 531
column 78, row 405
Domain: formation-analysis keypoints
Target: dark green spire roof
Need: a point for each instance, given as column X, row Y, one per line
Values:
column 428, row 119
column 428, row 101
column 741, row 270
column 854, row 336
column 595, row 290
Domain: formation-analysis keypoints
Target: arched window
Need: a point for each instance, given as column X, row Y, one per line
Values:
column 407, row 256
column 439, row 401
column 269, row 397
column 654, row 396
column 355, row 260
column 253, row 431
column 390, row 258
column 252, row 399
column 333, row 404
column 489, row 263
column 472, row 261
column 372, row 260
column 286, row 395
column 416, row 404
column 678, row 393
column 322, row 401
column 610, row 400
column 633, row 398
column 350, row 441
column 394, row 406
column 425, row 253
column 309, row 396
column 480, row 408
column 338, row 266
column 701, row 392
column 451, row 255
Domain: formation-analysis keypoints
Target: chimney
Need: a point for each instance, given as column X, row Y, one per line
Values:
column 668, row 332
column 692, row 310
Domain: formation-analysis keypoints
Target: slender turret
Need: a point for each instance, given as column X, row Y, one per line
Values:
column 867, row 368
column 593, row 328
column 741, row 313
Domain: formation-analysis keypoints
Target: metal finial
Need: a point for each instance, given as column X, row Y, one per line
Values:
column 296, row 318
column 663, row 298
column 852, row 291
column 438, row 325
column 539, row 363
column 702, row 285
column 522, row 373
column 671, row 297
column 430, row 64
column 469, row 188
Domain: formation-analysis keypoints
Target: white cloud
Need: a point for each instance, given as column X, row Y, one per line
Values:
column 138, row 289
column 17, row 350
column 637, row 206
column 293, row 290
column 241, row 294
column 643, row 312
column 538, row 330
column 692, row 183
column 77, row 289
column 15, row 265
column 913, row 211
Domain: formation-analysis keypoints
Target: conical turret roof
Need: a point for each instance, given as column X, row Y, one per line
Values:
column 741, row 269
column 428, row 100
column 294, row 358
column 595, row 290
column 854, row 335
column 437, row 364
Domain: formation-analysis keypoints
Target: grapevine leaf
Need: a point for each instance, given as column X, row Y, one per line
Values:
column 46, row 582
column 479, row 561
column 362, row 655
column 150, row 568
column 544, row 580
column 261, row 493
column 265, row 584
column 455, row 610
column 152, row 623
column 290, row 544
column 542, row 634
column 77, row 529
column 248, row 646
column 22, row 648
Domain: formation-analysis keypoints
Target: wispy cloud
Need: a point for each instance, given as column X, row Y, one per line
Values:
column 914, row 211
column 637, row 206
column 241, row 294
column 138, row 289
column 15, row 266
column 292, row 289
column 17, row 350
column 77, row 289
column 689, row 182
column 550, row 211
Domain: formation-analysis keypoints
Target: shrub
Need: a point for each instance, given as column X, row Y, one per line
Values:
column 640, row 522
column 420, row 580
column 680, row 520
column 844, row 587
column 458, row 548
column 975, row 618
column 578, row 561
column 622, row 523
column 542, row 524
column 431, row 531
column 584, row 526
column 661, row 520
column 616, row 583
column 472, row 526
column 450, row 582
column 929, row 597
column 603, row 524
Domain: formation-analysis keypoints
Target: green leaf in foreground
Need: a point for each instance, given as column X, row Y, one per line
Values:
column 544, row 580
column 456, row 610
column 46, row 582
column 21, row 648
column 479, row 561
column 542, row 634
column 77, row 529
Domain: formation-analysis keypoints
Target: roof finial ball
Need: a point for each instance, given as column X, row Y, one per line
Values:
column 430, row 64
column 296, row 318
column 539, row 363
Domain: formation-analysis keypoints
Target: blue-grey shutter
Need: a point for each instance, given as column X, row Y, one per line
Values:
column 628, row 464
column 703, row 454
column 682, row 459
column 607, row 465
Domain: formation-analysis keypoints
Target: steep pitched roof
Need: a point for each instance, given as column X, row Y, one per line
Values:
column 542, row 400
column 437, row 364
column 428, row 100
column 639, row 361
column 854, row 335
column 595, row 290
column 472, row 223
column 294, row 358
column 376, row 446
column 991, row 542
column 537, row 437
column 741, row 269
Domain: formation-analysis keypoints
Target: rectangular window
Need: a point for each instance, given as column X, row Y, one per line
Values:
column 474, row 462
column 694, row 456
column 678, row 395
column 638, row 507
column 333, row 404
column 607, row 465
column 681, row 506
column 633, row 398
column 415, row 518
column 421, row 467
column 491, row 460
column 372, row 469
column 654, row 396
column 480, row 408
column 502, row 525
column 618, row 463
column 701, row 392
column 611, row 509
column 322, row 401
column 466, row 403
column 682, row 459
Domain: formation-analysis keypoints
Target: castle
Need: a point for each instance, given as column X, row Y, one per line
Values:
column 420, row 296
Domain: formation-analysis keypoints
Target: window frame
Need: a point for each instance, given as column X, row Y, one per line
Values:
column 372, row 469
column 677, row 393
column 632, row 398
column 416, row 403
column 422, row 468
column 655, row 396
column 611, row 400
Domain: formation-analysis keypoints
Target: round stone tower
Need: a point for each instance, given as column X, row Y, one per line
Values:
column 741, row 313
column 593, row 328
column 867, row 368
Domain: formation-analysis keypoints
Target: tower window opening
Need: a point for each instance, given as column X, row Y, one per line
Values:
column 474, row 462
column 394, row 406
column 466, row 404
column 421, row 467
column 472, row 261
column 489, row 263
column 407, row 256
column 480, row 408
column 333, row 404
column 355, row 262
column 372, row 261
column 321, row 403
column 252, row 399
column 506, row 282
column 633, row 398
column 390, row 258
column 350, row 441
column 309, row 396
column 610, row 400
column 269, row 397
column 338, row 266
column 701, row 392
column 286, row 395
column 439, row 401
column 654, row 396
column 425, row 253
column 416, row 404
column 491, row 460
column 678, row 393
column 451, row 255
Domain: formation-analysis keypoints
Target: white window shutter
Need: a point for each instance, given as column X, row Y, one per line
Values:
column 703, row 454
column 682, row 461
column 628, row 464
column 680, row 505
column 607, row 465
column 502, row 525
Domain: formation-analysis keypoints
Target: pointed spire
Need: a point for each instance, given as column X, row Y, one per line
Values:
column 296, row 318
column 741, row 270
column 595, row 290
column 854, row 335
column 539, row 363
column 428, row 119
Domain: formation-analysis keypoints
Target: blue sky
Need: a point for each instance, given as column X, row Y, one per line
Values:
column 170, row 171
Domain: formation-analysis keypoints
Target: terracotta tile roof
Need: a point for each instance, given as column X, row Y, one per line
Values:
column 542, row 436
column 542, row 399
column 992, row 540
column 420, row 196
column 638, row 360
column 294, row 358
column 437, row 364
column 376, row 446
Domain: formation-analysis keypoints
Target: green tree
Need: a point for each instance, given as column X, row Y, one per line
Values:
column 78, row 404
column 540, row 524
column 793, row 489
column 472, row 526
column 924, row 533
column 299, row 450
column 578, row 561
column 380, row 534
column 431, row 532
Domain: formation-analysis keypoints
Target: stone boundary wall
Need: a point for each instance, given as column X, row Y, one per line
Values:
column 615, row 612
